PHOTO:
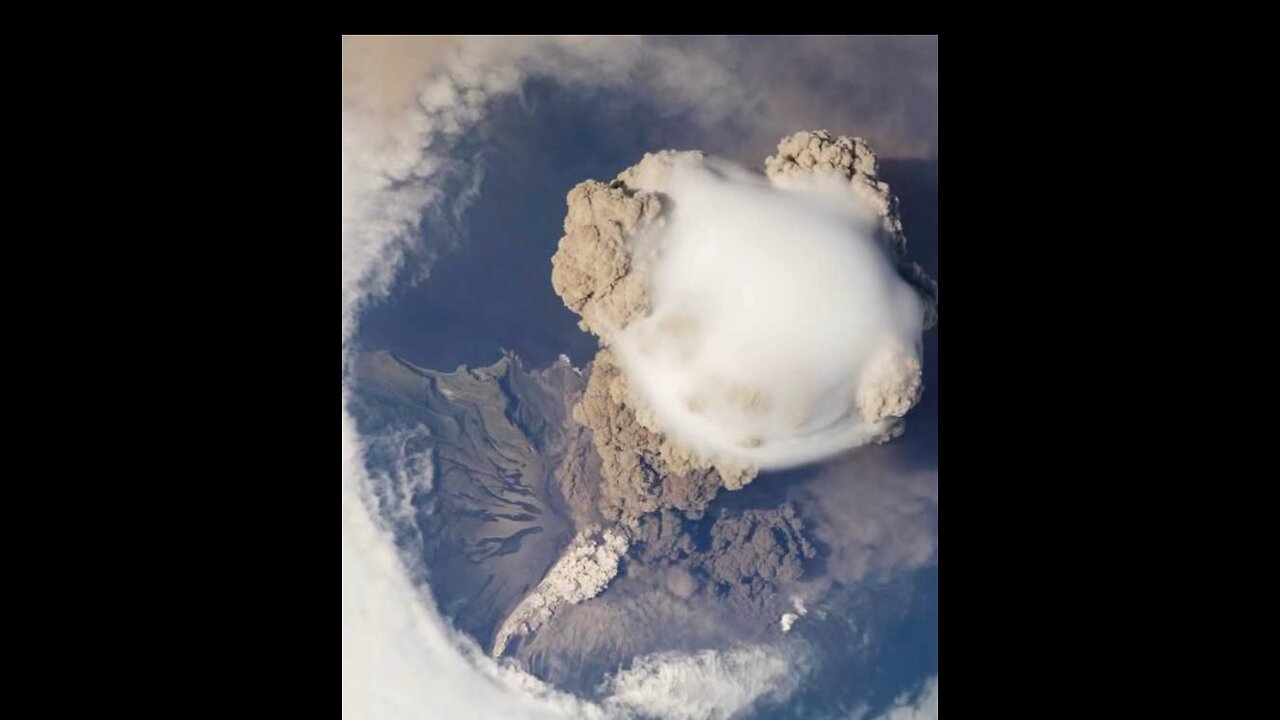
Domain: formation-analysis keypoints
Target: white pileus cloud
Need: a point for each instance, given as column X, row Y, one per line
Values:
column 779, row 332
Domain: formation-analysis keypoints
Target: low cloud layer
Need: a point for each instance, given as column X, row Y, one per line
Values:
column 708, row 685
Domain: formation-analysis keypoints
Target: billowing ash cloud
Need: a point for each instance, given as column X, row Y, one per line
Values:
column 758, row 547
column 642, row 471
column 756, row 323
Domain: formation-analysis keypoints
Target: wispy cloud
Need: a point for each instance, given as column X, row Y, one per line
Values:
column 922, row 706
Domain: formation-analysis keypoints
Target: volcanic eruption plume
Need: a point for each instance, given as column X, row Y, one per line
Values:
column 748, row 322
